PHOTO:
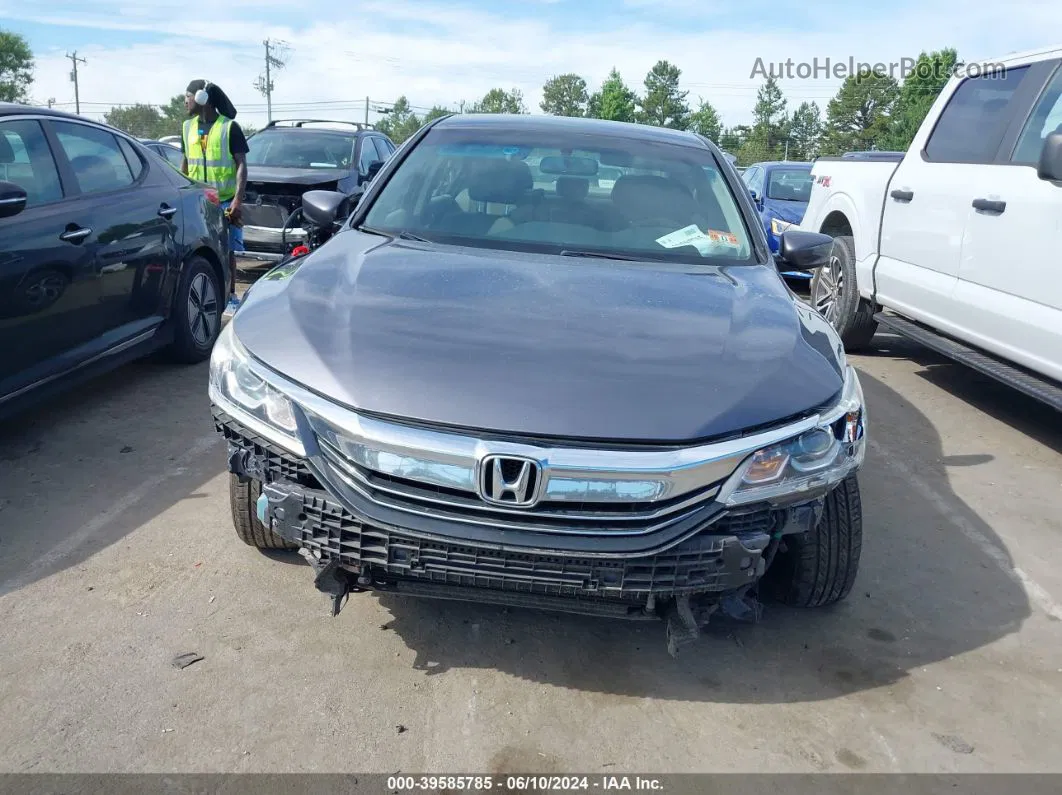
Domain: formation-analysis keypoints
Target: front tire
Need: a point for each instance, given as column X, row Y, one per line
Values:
column 835, row 294
column 197, row 312
column 818, row 568
column 243, row 499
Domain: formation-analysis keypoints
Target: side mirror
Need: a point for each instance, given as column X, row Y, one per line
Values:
column 1050, row 167
column 12, row 199
column 756, row 199
column 322, row 207
column 804, row 251
column 374, row 169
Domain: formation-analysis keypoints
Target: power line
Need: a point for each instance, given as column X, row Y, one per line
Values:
column 73, row 77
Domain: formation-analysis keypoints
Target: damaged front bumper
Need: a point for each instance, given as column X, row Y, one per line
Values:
column 683, row 579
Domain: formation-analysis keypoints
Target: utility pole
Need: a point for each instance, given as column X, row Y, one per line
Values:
column 264, row 83
column 366, row 111
column 73, row 77
column 51, row 101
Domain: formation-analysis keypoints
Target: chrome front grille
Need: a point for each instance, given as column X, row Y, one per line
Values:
column 464, row 506
column 441, row 475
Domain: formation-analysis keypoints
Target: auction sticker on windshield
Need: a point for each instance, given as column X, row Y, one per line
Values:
column 709, row 242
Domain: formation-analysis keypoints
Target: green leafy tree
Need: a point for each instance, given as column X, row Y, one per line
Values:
column 565, row 95
column 664, row 105
column 400, row 122
column 805, row 132
column 615, row 101
column 732, row 139
column 769, row 124
column 173, row 115
column 498, row 100
column 436, row 113
column 140, row 121
column 16, row 67
column 705, row 121
column 918, row 93
column 859, row 117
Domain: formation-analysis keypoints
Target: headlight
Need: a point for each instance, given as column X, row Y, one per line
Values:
column 238, row 390
column 778, row 226
column 813, row 461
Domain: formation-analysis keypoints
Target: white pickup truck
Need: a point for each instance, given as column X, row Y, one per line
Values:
column 957, row 243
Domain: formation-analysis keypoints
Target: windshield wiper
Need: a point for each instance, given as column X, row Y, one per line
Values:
column 403, row 235
column 571, row 252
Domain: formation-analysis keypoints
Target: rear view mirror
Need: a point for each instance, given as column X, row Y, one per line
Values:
column 805, row 251
column 568, row 166
column 1050, row 167
column 12, row 199
column 323, row 207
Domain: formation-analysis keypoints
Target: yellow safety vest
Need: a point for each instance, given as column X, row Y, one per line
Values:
column 215, row 166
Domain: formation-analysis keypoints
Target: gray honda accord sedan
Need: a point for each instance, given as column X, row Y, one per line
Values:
column 507, row 378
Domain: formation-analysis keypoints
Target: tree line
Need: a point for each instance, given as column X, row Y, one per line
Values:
column 871, row 110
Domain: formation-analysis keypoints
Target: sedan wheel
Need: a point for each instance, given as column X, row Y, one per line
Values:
column 202, row 309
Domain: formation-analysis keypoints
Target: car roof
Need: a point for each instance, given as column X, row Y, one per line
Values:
column 546, row 124
column 782, row 163
column 14, row 109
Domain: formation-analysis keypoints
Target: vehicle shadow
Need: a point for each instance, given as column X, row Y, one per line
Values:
column 925, row 592
column 82, row 470
column 984, row 393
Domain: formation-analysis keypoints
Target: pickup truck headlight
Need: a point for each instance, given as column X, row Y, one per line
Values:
column 778, row 226
column 814, row 461
column 237, row 389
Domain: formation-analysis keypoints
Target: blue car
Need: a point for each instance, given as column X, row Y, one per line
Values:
column 781, row 190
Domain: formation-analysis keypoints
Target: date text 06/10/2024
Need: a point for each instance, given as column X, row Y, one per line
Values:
column 401, row 784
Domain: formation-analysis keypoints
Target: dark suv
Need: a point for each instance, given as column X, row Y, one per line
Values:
column 290, row 157
column 497, row 388
column 106, row 253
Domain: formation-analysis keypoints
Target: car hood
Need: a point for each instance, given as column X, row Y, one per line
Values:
column 295, row 176
column 793, row 212
column 542, row 346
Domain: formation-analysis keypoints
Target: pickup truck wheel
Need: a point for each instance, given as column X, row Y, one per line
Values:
column 818, row 568
column 243, row 499
column 835, row 295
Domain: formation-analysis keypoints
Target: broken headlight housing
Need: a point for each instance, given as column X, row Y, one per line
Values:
column 809, row 464
column 236, row 388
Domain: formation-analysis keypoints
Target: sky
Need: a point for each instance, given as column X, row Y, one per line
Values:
column 338, row 53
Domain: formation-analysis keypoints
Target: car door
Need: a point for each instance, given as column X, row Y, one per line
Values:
column 48, row 286
column 367, row 155
column 754, row 179
column 134, row 215
column 1010, row 278
column 927, row 199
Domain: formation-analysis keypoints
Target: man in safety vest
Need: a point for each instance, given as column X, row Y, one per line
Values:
column 215, row 152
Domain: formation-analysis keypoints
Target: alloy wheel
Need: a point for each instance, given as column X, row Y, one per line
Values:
column 828, row 287
column 202, row 309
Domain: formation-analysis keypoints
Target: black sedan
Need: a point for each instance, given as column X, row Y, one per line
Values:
column 106, row 254
column 507, row 380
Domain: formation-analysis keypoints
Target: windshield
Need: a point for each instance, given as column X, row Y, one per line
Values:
column 564, row 192
column 790, row 184
column 301, row 149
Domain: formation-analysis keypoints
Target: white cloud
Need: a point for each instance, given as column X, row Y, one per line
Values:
column 440, row 54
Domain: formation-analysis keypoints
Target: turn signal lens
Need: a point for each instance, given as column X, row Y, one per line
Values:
column 766, row 465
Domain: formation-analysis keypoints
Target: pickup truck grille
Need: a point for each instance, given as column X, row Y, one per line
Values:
column 460, row 506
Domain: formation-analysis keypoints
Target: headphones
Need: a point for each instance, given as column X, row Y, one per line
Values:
column 202, row 97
